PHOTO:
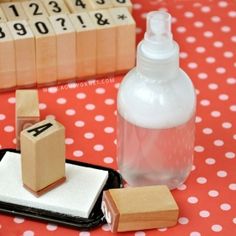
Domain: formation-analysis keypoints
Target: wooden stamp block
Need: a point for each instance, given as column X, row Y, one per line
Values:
column 27, row 111
column 13, row 11
column 106, row 41
column 100, row 4
column 43, row 156
column 66, row 47
column 24, row 52
column 2, row 16
column 34, row 8
column 55, row 7
column 123, row 3
column 76, row 6
column 125, row 49
column 86, row 44
column 139, row 208
column 7, row 59
column 46, row 51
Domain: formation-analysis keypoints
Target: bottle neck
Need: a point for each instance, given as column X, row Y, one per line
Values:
column 163, row 68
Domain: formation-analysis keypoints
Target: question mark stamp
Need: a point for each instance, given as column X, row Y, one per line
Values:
column 62, row 22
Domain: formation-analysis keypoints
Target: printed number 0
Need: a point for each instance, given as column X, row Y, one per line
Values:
column 2, row 34
column 100, row 2
column 121, row 1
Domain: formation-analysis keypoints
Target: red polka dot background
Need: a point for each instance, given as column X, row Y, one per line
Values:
column 206, row 33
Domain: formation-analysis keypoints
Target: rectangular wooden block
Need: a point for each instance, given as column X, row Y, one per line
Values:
column 34, row 8
column 7, row 59
column 13, row 11
column 77, row 6
column 66, row 47
column 2, row 16
column 43, row 155
column 24, row 52
column 139, row 208
column 123, row 3
column 86, row 44
column 46, row 51
column 126, row 39
column 106, row 41
column 100, row 4
column 27, row 111
column 55, row 7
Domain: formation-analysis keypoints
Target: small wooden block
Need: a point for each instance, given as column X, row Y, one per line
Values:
column 100, row 4
column 66, row 47
column 139, row 208
column 25, row 53
column 2, row 16
column 123, row 3
column 86, row 44
column 76, row 6
column 126, row 39
column 27, row 111
column 43, row 155
column 7, row 59
column 34, row 8
column 46, row 51
column 106, row 41
column 55, row 7
column 13, row 11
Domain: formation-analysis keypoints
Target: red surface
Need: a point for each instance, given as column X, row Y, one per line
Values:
column 206, row 32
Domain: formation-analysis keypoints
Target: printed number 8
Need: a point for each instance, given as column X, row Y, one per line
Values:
column 2, row 34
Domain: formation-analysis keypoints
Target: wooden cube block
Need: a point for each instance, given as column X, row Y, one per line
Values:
column 13, row 11
column 100, row 4
column 123, row 3
column 43, row 156
column 27, row 111
column 76, row 6
column 2, row 16
column 46, row 51
column 55, row 7
column 7, row 59
column 66, row 47
column 139, row 208
column 106, row 41
column 24, row 52
column 86, row 44
column 34, row 8
column 125, row 49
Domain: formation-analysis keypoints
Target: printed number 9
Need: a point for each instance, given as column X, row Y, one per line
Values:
column 21, row 30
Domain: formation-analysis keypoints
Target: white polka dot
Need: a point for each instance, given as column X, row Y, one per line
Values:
column 50, row 117
column 216, row 228
column 205, row 102
column 230, row 155
column 232, row 186
column 192, row 65
column 210, row 161
column 234, row 136
column 215, row 19
column 14, row 140
column 109, row 130
column 202, row 76
column 81, row 95
column 28, row 233
column 218, row 143
column 61, row 101
column 19, row 220
column 138, row 30
column 199, row 149
column 213, row 193
column 225, row 207
column 215, row 114
column 223, row 97
column 12, row 100
column 231, row 81
column 108, row 160
column 100, row 90
column 207, row 131
column 198, row 24
column 117, row 85
column 162, row 229
column 222, row 173
column 109, row 101
column 182, row 187
column 218, row 44
column 181, row 29
column 90, row 107
column 204, row 213
column 79, row 123
column 99, row 118
column 233, row 108
column 227, row 125
column 222, row 4
column 137, row 6
column 2, row 117
column 106, row 227
column 51, row 227
column 198, row 119
column 232, row 14
column 205, row 9
column 191, row 39
column 213, row 86
column 183, row 55
column 69, row 141
column 42, row 106
column 98, row 147
column 210, row 59
column 183, row 220
column 201, row 180
column 200, row 49
column 84, row 233
column 8, row 128
column 188, row 14
column 52, row 89
column 193, row 200
column 89, row 135
column 225, row 29
column 195, row 233
column 233, row 38
column 228, row 54
column 220, row 70
column 197, row 91
column 208, row 34
column 234, row 220
column 70, row 112
column 140, row 233
column 78, row 153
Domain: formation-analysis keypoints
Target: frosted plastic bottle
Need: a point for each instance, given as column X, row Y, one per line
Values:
column 156, row 112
